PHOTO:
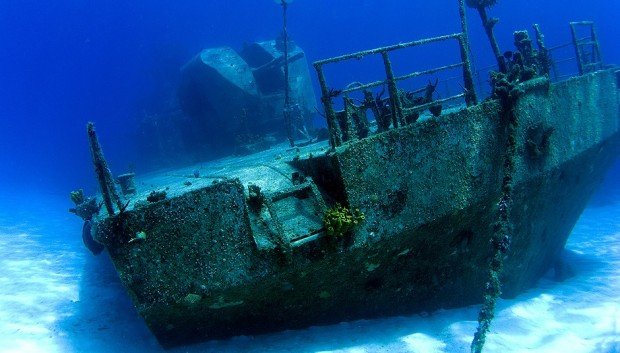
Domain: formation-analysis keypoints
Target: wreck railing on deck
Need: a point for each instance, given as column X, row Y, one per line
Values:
column 396, row 109
column 586, row 52
column 586, row 62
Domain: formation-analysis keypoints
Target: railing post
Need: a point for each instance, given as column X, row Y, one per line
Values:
column 543, row 51
column 468, row 78
column 351, row 130
column 397, row 109
column 102, row 171
column 288, row 123
column 489, row 24
column 332, row 126
column 577, row 50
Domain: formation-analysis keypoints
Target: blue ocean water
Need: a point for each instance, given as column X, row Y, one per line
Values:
column 64, row 63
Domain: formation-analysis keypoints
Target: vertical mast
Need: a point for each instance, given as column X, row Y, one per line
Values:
column 287, row 99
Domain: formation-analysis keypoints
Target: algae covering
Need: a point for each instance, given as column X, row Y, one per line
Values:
column 247, row 252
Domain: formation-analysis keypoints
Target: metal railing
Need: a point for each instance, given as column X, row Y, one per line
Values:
column 587, row 50
column 576, row 51
column 561, row 55
column 397, row 111
column 351, row 123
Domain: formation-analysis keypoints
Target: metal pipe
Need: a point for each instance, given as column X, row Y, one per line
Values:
column 430, row 104
column 560, row 46
column 582, row 23
column 399, row 78
column 361, row 54
column 564, row 60
column 468, row 78
column 330, row 115
column 287, row 98
column 102, row 172
column 488, row 25
column 576, row 45
column 397, row 110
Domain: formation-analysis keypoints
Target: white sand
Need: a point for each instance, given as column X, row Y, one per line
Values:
column 56, row 297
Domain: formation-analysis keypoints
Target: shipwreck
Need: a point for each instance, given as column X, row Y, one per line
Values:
column 411, row 204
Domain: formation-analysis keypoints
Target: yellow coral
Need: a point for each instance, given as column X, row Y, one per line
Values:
column 339, row 220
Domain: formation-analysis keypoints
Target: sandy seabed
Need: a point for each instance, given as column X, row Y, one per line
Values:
column 56, row 297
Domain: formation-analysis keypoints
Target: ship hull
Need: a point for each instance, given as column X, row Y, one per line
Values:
column 212, row 265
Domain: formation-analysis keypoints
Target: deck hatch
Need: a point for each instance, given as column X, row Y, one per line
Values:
column 289, row 218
